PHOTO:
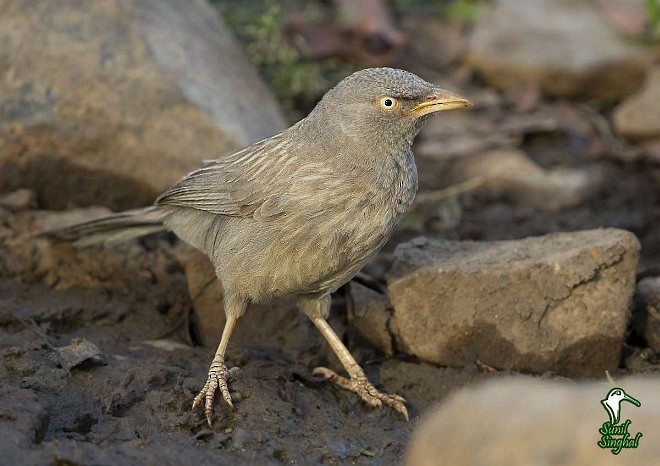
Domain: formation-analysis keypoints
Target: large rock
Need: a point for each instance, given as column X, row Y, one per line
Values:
column 558, row 302
column 565, row 47
column 120, row 98
column 638, row 117
column 512, row 173
column 521, row 422
column 261, row 323
column 436, row 42
column 279, row 324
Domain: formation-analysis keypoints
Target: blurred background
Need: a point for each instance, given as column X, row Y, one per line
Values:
column 564, row 133
column 105, row 104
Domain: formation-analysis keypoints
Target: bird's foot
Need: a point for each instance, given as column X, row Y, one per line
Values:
column 365, row 390
column 218, row 378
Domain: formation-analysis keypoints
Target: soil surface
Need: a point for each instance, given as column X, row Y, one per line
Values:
column 99, row 365
column 96, row 370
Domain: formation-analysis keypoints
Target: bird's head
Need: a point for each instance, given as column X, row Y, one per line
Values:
column 384, row 104
column 612, row 403
column 617, row 395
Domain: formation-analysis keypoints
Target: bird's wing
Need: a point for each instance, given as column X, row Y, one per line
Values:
column 250, row 183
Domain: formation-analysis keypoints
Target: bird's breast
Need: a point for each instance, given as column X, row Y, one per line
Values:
column 339, row 222
column 373, row 204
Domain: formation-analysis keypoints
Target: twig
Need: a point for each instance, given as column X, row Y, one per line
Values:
column 616, row 146
column 610, row 380
column 432, row 197
column 35, row 327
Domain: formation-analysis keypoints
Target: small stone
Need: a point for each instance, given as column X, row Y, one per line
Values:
column 646, row 317
column 206, row 293
column 80, row 352
column 21, row 199
column 512, row 173
column 638, row 117
column 371, row 312
column 167, row 345
column 564, row 47
column 521, row 422
column 642, row 361
column 267, row 324
column 650, row 151
column 557, row 303
column 17, row 362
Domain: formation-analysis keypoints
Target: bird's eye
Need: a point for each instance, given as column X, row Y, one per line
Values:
column 388, row 103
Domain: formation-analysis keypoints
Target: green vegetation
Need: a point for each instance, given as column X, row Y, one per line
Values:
column 460, row 10
column 297, row 83
column 653, row 11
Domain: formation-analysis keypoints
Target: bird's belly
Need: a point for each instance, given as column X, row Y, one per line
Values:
column 332, row 251
column 315, row 250
column 287, row 258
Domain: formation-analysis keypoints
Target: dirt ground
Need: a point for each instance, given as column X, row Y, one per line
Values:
column 98, row 366
column 127, row 399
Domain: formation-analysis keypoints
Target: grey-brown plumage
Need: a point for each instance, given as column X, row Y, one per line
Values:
column 301, row 212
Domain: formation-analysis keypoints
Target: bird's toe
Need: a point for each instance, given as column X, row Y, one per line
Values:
column 218, row 378
column 361, row 386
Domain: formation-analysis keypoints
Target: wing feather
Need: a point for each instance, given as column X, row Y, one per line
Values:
column 246, row 183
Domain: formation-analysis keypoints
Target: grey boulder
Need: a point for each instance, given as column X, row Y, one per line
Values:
column 120, row 98
column 559, row 302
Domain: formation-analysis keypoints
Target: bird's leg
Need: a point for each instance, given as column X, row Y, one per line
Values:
column 317, row 309
column 219, row 375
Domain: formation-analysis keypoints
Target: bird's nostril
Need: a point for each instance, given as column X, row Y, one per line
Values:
column 432, row 97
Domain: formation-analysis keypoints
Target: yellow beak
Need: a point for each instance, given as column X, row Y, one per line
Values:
column 438, row 101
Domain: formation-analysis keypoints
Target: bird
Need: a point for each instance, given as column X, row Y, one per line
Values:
column 612, row 403
column 298, row 213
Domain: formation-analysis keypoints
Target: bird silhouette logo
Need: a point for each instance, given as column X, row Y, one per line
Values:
column 615, row 435
column 612, row 403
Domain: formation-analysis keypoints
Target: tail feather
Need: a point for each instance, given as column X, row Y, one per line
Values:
column 111, row 229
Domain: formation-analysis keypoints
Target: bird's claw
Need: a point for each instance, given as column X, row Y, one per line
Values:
column 365, row 390
column 218, row 378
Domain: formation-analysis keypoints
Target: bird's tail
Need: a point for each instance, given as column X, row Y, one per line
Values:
column 111, row 229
